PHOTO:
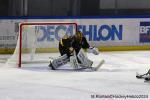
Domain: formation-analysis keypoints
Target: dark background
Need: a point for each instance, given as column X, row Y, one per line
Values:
column 73, row 7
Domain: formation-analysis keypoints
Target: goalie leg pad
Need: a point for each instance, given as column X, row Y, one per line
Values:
column 62, row 60
column 74, row 61
column 84, row 59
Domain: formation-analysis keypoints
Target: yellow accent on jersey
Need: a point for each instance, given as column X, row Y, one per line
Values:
column 61, row 42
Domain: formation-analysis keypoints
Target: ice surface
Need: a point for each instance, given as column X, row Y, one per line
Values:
column 116, row 77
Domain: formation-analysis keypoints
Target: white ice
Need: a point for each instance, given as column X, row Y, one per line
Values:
column 115, row 77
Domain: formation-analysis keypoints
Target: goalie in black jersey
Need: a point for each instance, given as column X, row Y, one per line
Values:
column 76, row 42
column 70, row 48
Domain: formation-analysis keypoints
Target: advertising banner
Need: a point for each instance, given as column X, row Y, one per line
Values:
column 100, row 32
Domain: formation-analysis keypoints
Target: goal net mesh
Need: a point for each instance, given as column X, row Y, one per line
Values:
column 37, row 38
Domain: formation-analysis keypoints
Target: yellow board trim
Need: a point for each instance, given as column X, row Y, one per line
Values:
column 102, row 48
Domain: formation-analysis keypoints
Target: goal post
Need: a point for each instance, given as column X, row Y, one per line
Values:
column 37, row 37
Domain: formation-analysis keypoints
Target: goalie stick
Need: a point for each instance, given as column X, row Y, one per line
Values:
column 93, row 68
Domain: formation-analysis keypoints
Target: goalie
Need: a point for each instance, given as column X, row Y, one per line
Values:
column 70, row 48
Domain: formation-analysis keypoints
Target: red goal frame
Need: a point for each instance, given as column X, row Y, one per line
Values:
column 37, row 23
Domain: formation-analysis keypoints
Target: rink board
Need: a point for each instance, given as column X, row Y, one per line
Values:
column 107, row 34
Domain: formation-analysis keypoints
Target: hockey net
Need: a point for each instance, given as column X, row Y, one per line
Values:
column 36, row 38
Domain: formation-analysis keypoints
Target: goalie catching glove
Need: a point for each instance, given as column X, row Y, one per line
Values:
column 93, row 50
